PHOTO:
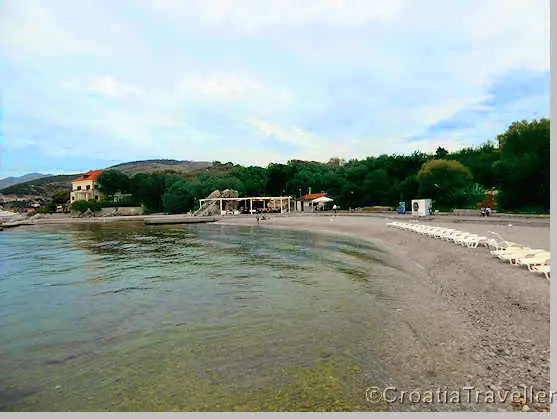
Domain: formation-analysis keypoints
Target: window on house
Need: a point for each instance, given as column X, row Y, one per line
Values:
column 88, row 187
column 79, row 188
column 96, row 197
column 73, row 198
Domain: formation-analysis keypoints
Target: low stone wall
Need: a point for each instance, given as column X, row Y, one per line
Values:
column 112, row 211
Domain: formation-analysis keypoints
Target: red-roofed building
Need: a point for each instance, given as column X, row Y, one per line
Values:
column 85, row 187
column 304, row 203
column 312, row 196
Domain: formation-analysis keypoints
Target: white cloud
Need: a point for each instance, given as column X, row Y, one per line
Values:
column 327, row 77
column 109, row 86
column 311, row 146
column 29, row 27
column 106, row 86
column 255, row 15
column 233, row 88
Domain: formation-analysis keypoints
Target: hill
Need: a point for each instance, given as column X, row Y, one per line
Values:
column 14, row 180
column 40, row 188
column 149, row 166
column 45, row 187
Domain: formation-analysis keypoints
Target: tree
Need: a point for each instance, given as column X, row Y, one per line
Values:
column 480, row 161
column 523, row 166
column 441, row 153
column 149, row 188
column 376, row 187
column 441, row 180
column 61, row 197
column 178, row 198
column 336, row 161
column 112, row 181
column 82, row 205
column 252, row 181
column 276, row 179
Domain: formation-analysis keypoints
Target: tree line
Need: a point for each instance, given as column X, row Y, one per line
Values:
column 516, row 166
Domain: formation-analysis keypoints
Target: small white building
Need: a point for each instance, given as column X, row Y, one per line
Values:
column 421, row 207
column 306, row 203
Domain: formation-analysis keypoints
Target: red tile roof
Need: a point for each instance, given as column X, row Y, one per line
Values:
column 312, row 196
column 90, row 175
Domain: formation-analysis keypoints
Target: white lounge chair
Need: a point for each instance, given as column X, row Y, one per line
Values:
column 508, row 250
column 543, row 258
column 511, row 257
column 474, row 241
column 544, row 269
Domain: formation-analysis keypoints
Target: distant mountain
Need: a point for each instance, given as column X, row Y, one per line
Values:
column 9, row 181
column 47, row 185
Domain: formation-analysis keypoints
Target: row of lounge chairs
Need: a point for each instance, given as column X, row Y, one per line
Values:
column 536, row 260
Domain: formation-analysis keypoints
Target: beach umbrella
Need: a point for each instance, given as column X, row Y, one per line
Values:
column 322, row 200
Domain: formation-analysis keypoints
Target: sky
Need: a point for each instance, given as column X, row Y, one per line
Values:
column 88, row 84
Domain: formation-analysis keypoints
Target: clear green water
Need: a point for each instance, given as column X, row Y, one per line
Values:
column 206, row 317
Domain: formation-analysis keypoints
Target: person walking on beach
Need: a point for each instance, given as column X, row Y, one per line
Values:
column 488, row 211
column 482, row 211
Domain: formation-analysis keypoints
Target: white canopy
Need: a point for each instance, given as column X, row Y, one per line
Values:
column 321, row 200
column 7, row 213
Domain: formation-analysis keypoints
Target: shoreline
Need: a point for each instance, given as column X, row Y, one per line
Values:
column 473, row 321
column 497, row 219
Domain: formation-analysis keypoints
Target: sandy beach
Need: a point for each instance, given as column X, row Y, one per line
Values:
column 474, row 321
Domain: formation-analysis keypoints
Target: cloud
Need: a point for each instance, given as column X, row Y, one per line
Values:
column 309, row 146
column 30, row 28
column 106, row 86
column 234, row 88
column 255, row 15
column 254, row 81
column 109, row 86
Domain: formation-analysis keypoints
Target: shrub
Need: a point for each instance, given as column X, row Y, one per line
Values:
column 81, row 206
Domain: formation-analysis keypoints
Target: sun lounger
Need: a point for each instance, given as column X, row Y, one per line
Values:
column 474, row 241
column 459, row 237
column 508, row 250
column 538, row 259
column 513, row 256
column 544, row 269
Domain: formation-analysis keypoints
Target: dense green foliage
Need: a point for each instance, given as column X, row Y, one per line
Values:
column 446, row 181
column 518, row 167
column 523, row 166
column 112, row 181
column 81, row 206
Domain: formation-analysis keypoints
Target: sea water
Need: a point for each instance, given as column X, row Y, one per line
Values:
column 123, row 316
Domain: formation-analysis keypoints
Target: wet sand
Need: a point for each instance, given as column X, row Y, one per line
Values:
column 474, row 320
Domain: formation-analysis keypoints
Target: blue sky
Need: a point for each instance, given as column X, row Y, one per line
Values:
column 93, row 83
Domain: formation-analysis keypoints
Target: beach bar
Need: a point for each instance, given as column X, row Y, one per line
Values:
column 254, row 203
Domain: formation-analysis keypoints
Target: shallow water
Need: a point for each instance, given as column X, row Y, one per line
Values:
column 204, row 317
